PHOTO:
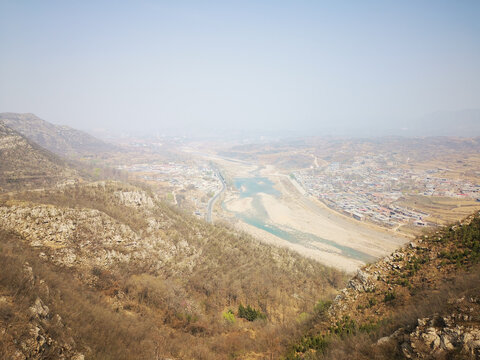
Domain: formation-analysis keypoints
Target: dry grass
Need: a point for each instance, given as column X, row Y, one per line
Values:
column 442, row 210
column 424, row 304
column 417, row 283
column 136, row 310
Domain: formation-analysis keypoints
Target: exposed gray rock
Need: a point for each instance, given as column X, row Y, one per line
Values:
column 135, row 199
column 383, row 340
column 361, row 282
column 471, row 342
column 39, row 309
column 450, row 337
column 431, row 338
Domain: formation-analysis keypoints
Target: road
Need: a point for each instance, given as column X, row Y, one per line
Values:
column 212, row 201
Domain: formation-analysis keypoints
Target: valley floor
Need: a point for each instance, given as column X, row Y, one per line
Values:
column 317, row 232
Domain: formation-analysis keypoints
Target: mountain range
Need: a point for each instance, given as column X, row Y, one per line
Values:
column 61, row 140
column 25, row 164
column 108, row 270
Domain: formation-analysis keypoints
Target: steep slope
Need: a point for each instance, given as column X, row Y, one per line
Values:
column 25, row 164
column 61, row 140
column 155, row 283
column 422, row 302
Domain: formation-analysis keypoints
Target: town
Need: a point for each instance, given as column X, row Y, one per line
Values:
column 190, row 185
column 369, row 187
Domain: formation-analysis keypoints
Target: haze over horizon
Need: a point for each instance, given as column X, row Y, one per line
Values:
column 303, row 67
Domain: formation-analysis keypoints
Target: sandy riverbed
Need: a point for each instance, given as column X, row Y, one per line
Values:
column 293, row 211
column 297, row 215
column 235, row 204
column 330, row 257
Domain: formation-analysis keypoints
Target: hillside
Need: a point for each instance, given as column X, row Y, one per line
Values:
column 422, row 302
column 151, row 281
column 107, row 270
column 25, row 164
column 297, row 153
column 61, row 140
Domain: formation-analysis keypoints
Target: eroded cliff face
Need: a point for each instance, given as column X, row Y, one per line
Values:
column 84, row 238
column 72, row 237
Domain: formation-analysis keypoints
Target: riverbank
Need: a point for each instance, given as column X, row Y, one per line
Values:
column 327, row 256
column 274, row 210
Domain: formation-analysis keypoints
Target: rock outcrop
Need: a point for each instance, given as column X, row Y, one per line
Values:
column 41, row 334
column 432, row 276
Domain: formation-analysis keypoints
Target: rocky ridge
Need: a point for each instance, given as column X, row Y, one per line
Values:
column 89, row 238
column 61, row 140
column 25, row 164
column 118, row 254
column 436, row 336
column 420, row 278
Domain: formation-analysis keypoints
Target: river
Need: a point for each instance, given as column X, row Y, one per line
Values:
column 252, row 187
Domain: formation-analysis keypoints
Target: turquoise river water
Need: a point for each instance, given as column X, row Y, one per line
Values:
column 252, row 187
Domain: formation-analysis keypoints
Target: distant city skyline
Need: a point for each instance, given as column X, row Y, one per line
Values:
column 184, row 67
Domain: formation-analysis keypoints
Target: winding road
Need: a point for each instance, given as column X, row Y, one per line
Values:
column 212, row 201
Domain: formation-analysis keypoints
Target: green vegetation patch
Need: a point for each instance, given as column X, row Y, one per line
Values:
column 249, row 313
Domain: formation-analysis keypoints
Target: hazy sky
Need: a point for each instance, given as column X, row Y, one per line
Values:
column 199, row 65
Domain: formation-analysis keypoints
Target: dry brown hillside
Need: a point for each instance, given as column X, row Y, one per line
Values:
column 421, row 302
column 61, row 140
column 132, row 278
column 25, row 164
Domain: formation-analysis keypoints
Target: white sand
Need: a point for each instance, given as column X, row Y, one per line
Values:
column 328, row 227
column 330, row 259
column 236, row 204
column 294, row 211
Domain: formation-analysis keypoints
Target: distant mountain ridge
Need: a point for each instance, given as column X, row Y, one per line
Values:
column 24, row 163
column 61, row 140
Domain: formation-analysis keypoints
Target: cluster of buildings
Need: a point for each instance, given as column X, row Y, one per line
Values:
column 440, row 186
column 189, row 184
column 368, row 187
